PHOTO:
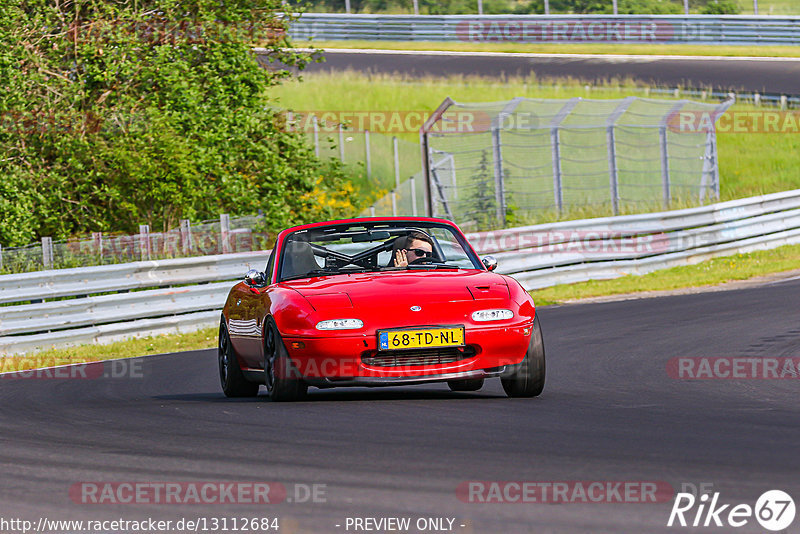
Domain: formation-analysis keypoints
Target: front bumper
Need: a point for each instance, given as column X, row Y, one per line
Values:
column 336, row 358
column 366, row 381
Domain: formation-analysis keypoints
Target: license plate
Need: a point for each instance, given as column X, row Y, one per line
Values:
column 421, row 338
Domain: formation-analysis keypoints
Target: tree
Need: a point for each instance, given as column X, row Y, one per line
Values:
column 148, row 111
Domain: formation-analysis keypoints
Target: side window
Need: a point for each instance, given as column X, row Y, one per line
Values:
column 270, row 265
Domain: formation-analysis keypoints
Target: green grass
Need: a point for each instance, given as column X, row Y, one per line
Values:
column 709, row 273
column 771, row 7
column 201, row 339
column 750, row 163
column 588, row 48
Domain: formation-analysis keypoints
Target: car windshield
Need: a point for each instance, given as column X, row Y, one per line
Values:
column 373, row 247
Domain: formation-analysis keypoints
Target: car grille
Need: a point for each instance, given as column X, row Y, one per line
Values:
column 403, row 358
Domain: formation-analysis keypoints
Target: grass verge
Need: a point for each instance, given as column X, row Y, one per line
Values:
column 547, row 48
column 200, row 339
column 711, row 273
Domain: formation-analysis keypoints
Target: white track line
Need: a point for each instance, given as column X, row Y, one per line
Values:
column 610, row 57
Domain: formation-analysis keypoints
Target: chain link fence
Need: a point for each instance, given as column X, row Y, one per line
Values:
column 500, row 163
column 380, row 163
column 219, row 236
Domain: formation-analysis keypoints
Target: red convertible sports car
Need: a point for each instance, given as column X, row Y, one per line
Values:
column 378, row 302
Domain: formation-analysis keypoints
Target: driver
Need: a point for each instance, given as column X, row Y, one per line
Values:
column 413, row 247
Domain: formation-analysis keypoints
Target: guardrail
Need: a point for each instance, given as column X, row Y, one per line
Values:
column 674, row 29
column 113, row 302
column 153, row 297
column 574, row 251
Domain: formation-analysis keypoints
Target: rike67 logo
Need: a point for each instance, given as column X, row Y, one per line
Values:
column 774, row 511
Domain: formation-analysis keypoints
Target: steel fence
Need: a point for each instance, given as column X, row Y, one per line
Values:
column 492, row 163
column 184, row 294
column 667, row 29
column 381, row 159
column 220, row 236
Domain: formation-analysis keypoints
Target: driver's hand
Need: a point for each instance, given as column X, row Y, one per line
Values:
column 400, row 258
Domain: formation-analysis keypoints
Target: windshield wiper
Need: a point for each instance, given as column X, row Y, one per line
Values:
column 423, row 266
column 326, row 272
column 310, row 274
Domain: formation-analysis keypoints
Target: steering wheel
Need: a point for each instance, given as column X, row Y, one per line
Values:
column 425, row 259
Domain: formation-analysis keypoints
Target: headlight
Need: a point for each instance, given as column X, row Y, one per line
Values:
column 340, row 324
column 492, row 315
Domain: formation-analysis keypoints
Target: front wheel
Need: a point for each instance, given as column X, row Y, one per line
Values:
column 282, row 378
column 527, row 380
column 231, row 378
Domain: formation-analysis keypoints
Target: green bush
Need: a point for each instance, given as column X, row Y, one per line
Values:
column 721, row 7
column 115, row 116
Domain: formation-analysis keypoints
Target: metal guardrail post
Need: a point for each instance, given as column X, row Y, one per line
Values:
column 612, row 151
column 186, row 237
column 315, row 123
column 341, row 142
column 225, row 232
column 440, row 189
column 555, row 143
column 366, row 151
column 710, row 158
column 425, row 152
column 665, row 185
column 666, row 188
column 394, row 203
column 97, row 240
column 497, row 153
column 47, row 252
column 1, row 257
column 144, row 241
column 412, row 182
column 396, row 153
column 499, row 182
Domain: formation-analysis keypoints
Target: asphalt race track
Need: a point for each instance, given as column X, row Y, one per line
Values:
column 763, row 75
column 609, row 412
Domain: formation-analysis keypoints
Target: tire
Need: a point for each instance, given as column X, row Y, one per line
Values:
column 473, row 384
column 283, row 380
column 527, row 380
column 231, row 378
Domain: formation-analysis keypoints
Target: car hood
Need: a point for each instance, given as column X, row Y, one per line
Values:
column 403, row 288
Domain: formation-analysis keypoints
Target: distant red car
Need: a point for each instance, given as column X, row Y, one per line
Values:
column 378, row 302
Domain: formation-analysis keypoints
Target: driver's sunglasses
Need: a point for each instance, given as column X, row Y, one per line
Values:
column 420, row 252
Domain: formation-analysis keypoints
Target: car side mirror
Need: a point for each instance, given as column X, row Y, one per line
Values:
column 255, row 278
column 490, row 263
